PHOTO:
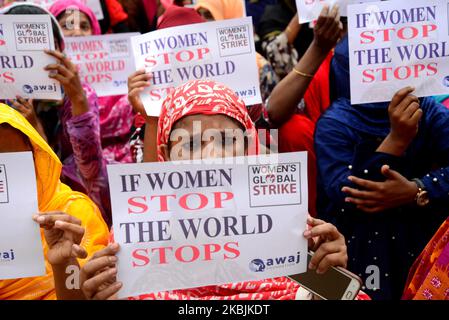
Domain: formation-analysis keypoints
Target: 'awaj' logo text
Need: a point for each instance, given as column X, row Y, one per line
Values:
column 261, row 265
column 7, row 256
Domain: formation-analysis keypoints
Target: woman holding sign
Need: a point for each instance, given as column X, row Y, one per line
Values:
column 116, row 114
column 71, row 126
column 71, row 223
column 382, row 177
column 224, row 110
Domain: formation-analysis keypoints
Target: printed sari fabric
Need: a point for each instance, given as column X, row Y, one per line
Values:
column 429, row 276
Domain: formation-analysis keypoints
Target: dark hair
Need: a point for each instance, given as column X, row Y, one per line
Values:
column 27, row 9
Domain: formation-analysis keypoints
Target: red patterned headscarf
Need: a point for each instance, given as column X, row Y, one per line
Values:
column 204, row 97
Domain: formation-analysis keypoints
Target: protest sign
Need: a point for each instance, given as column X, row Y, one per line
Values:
column 395, row 44
column 104, row 62
column 23, row 39
column 309, row 10
column 189, row 225
column 94, row 5
column 21, row 253
column 222, row 51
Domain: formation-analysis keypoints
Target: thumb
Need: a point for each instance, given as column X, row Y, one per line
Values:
column 389, row 173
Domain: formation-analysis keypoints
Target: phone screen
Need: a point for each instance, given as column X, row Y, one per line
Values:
column 331, row 286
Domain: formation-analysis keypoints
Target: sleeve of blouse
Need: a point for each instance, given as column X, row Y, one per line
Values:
column 84, row 134
column 340, row 154
column 436, row 182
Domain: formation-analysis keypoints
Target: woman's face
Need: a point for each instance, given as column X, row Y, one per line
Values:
column 75, row 23
column 205, row 137
column 206, row 14
column 13, row 140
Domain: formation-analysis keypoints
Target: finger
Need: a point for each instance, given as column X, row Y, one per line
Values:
column 23, row 102
column 79, row 252
column 91, row 286
column 57, row 54
column 19, row 107
column 143, row 77
column 338, row 259
column 408, row 100
column 312, row 222
column 390, row 174
column 139, row 85
column 400, row 95
column 49, row 218
column 410, row 110
column 322, row 18
column 110, row 250
column 75, row 229
column 367, row 184
column 327, row 231
column 94, row 265
column 135, row 74
column 323, row 250
column 361, row 202
column 334, row 12
column 359, row 193
column 62, row 70
column 107, row 293
column 417, row 116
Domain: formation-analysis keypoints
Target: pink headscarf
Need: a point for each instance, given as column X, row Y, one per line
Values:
column 204, row 97
column 61, row 5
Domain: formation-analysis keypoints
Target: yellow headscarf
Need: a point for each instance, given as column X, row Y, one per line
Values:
column 222, row 9
column 52, row 196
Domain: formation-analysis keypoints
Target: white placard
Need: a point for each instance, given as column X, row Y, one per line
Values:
column 189, row 225
column 223, row 51
column 309, row 10
column 23, row 39
column 395, row 44
column 104, row 62
column 21, row 253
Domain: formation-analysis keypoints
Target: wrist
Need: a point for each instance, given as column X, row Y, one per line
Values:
column 393, row 145
column 79, row 104
column 320, row 50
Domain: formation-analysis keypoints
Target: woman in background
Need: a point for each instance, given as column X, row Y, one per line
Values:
column 116, row 114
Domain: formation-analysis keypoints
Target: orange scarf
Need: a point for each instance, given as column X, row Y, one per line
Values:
column 222, row 9
column 52, row 196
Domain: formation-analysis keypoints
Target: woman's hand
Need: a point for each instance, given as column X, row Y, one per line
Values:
column 375, row 197
column 26, row 109
column 66, row 73
column 63, row 234
column 327, row 243
column 404, row 113
column 137, row 82
column 98, row 276
column 328, row 28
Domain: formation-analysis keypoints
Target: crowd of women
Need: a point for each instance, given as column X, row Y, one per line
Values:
column 378, row 173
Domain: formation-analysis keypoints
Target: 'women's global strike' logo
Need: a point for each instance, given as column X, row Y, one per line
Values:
column 275, row 184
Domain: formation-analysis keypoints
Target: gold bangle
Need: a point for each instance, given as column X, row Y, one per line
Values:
column 303, row 74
